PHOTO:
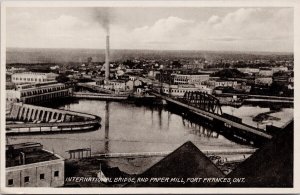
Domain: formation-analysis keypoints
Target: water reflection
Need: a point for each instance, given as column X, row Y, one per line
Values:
column 199, row 130
column 127, row 127
column 106, row 145
column 160, row 117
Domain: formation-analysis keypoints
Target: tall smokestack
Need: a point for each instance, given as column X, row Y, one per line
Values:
column 107, row 71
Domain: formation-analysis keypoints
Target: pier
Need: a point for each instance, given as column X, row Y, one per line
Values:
column 80, row 153
column 165, row 153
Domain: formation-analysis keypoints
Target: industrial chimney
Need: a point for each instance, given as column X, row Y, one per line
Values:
column 107, row 71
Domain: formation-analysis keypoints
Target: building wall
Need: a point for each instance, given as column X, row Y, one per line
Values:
column 37, row 94
column 180, row 91
column 189, row 79
column 266, row 73
column 263, row 80
column 129, row 85
column 12, row 95
column 248, row 70
column 31, row 77
column 33, row 171
column 279, row 69
column 222, row 83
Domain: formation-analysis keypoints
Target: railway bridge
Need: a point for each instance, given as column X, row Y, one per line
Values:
column 208, row 107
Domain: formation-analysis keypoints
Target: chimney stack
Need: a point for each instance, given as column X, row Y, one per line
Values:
column 107, row 71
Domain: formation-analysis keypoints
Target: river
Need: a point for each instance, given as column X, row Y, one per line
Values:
column 130, row 128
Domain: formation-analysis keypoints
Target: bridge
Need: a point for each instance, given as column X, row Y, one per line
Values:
column 99, row 96
column 94, row 88
column 281, row 101
column 203, row 101
column 99, row 89
column 212, row 111
column 257, row 96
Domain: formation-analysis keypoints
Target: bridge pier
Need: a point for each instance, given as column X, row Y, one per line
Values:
column 23, row 116
column 37, row 115
column 33, row 114
column 63, row 117
column 29, row 114
column 20, row 113
column 42, row 116
column 47, row 116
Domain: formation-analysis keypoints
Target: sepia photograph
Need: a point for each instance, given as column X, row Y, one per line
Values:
column 147, row 95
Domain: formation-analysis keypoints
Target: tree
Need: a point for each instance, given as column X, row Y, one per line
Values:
column 62, row 78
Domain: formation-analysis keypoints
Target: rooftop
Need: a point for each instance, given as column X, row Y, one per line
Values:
column 185, row 162
column 27, row 153
column 270, row 166
column 35, row 73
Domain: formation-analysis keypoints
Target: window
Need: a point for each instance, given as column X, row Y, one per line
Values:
column 10, row 182
column 42, row 176
column 56, row 173
column 26, row 179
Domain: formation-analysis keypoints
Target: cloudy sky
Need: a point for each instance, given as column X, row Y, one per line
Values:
column 230, row 29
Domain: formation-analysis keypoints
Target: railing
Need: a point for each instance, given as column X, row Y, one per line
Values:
column 100, row 96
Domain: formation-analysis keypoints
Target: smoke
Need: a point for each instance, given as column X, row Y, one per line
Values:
column 103, row 17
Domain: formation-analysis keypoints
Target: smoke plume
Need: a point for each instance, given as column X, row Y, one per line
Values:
column 103, row 17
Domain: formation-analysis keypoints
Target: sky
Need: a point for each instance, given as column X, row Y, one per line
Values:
column 213, row 29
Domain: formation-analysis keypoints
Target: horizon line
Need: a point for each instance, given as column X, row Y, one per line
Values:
column 243, row 51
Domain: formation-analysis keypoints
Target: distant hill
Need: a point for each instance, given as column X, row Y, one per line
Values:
column 38, row 55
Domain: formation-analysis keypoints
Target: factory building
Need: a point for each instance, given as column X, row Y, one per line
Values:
column 29, row 165
column 32, row 77
column 32, row 93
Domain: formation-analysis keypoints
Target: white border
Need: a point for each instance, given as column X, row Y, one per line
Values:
column 205, row 3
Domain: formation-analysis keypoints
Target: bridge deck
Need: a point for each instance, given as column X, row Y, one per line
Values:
column 241, row 126
column 100, row 96
column 269, row 100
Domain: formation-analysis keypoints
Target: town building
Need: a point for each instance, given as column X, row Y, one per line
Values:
column 13, row 70
column 189, row 78
column 32, row 93
column 29, row 165
column 180, row 90
column 263, row 81
column 221, row 83
column 33, row 77
column 249, row 70
column 279, row 69
column 265, row 72
column 152, row 73
column 117, row 85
